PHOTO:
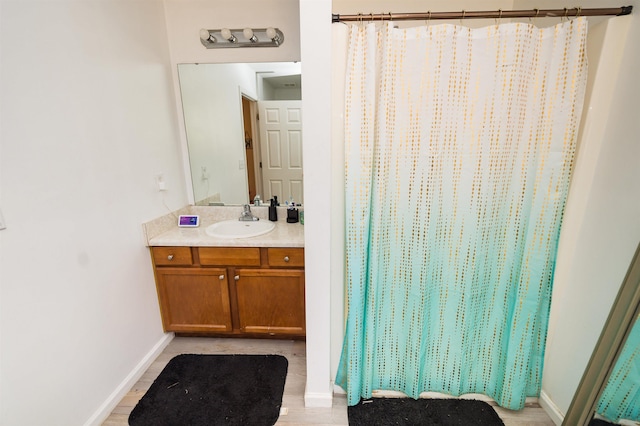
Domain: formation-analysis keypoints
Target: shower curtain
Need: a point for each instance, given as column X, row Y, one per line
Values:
column 459, row 147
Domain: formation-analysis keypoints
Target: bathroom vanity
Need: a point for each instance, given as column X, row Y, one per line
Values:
column 244, row 287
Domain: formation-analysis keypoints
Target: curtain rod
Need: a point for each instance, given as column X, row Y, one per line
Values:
column 495, row 14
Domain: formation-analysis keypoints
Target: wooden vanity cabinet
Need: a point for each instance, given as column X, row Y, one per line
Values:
column 234, row 291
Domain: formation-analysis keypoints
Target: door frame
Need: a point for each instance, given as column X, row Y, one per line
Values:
column 255, row 137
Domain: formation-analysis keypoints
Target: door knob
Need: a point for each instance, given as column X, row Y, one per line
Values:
column 286, row 258
column 221, row 277
column 237, row 277
column 170, row 257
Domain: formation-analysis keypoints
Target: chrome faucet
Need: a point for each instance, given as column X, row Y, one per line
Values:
column 246, row 214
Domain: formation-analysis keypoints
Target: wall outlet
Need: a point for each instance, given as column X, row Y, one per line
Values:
column 3, row 225
column 162, row 185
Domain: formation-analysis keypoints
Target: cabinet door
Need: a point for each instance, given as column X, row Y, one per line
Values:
column 194, row 299
column 271, row 301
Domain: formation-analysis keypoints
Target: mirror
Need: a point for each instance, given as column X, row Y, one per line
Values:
column 610, row 385
column 243, row 128
column 620, row 400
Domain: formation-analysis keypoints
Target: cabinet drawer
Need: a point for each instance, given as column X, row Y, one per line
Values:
column 291, row 257
column 229, row 256
column 172, row 256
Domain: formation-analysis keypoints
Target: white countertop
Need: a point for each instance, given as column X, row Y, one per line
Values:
column 283, row 235
column 164, row 231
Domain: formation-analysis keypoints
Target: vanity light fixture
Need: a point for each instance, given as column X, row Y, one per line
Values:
column 252, row 37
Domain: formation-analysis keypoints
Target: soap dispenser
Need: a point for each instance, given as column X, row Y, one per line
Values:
column 273, row 213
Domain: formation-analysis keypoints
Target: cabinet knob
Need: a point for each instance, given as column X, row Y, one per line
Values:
column 170, row 257
column 286, row 258
column 237, row 277
column 221, row 277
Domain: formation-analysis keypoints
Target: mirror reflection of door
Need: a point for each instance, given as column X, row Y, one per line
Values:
column 251, row 145
column 281, row 149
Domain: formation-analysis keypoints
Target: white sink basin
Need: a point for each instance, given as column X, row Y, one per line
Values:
column 239, row 229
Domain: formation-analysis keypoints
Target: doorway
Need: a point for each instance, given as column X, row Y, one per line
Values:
column 251, row 147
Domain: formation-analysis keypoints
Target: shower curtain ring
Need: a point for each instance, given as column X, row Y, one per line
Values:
column 499, row 17
column 578, row 11
column 536, row 15
column 464, row 12
column 428, row 18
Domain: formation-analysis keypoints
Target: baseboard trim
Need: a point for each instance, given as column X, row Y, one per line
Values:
column 123, row 388
column 530, row 400
column 550, row 408
column 318, row 399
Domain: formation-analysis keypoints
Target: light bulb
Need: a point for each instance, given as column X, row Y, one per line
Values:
column 271, row 33
column 226, row 33
column 248, row 34
column 274, row 36
column 206, row 36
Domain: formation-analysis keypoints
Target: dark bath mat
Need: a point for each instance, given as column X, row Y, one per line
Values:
column 214, row 390
column 601, row 422
column 423, row 412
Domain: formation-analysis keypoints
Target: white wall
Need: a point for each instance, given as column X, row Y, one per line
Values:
column 87, row 122
column 315, row 28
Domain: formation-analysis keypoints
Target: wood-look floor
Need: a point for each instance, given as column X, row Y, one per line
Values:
column 293, row 398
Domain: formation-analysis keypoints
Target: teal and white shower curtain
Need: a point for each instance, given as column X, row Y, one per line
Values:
column 459, row 147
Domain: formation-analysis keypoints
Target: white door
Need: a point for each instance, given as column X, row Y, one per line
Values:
column 281, row 149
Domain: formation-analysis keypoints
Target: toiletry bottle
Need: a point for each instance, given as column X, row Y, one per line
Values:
column 292, row 213
column 273, row 213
